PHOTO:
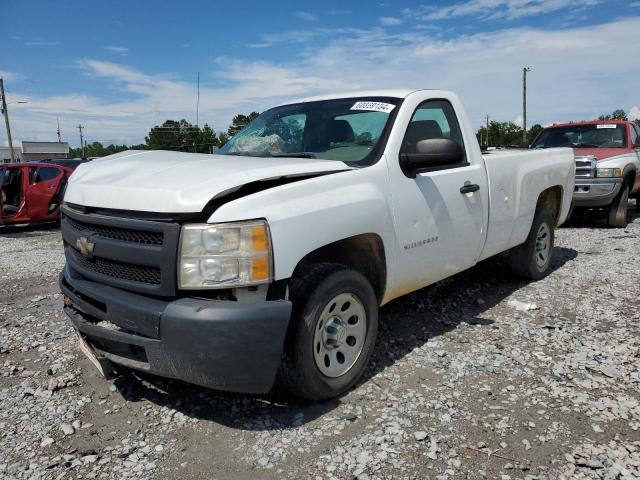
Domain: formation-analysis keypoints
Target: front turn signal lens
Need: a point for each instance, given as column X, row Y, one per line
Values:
column 260, row 269
column 259, row 239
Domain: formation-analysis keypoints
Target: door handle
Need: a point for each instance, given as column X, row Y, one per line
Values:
column 469, row 188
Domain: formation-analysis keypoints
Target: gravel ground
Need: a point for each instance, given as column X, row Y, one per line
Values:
column 478, row 376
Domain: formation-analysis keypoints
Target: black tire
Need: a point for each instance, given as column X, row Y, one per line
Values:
column 310, row 294
column 523, row 258
column 571, row 209
column 619, row 208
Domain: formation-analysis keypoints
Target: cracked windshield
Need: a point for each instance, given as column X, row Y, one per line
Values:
column 347, row 130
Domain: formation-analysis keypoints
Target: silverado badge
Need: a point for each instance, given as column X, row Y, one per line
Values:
column 85, row 246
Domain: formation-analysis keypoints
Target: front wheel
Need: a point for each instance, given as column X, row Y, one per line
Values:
column 333, row 332
column 619, row 207
column 532, row 259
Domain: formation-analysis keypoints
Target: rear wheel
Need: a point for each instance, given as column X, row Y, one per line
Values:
column 334, row 326
column 532, row 259
column 619, row 207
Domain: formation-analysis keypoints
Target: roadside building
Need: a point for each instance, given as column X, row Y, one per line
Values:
column 44, row 150
column 5, row 154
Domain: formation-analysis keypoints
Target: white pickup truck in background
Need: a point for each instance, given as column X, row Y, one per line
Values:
column 270, row 259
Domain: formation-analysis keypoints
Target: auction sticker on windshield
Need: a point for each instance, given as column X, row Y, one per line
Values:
column 607, row 126
column 374, row 106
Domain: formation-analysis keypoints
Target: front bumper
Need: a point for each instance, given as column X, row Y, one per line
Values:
column 224, row 345
column 595, row 192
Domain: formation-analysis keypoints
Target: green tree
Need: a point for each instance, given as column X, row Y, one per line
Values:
column 501, row 134
column 533, row 132
column 96, row 149
column 165, row 137
column 239, row 122
column 223, row 138
column 182, row 136
column 618, row 114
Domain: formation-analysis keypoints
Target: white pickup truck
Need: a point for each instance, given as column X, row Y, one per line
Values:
column 268, row 261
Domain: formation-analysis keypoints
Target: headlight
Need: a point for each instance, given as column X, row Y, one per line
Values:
column 608, row 173
column 224, row 255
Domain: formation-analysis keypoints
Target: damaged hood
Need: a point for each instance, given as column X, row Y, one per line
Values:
column 177, row 182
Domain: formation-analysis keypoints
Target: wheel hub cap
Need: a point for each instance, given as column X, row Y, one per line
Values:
column 340, row 334
column 543, row 245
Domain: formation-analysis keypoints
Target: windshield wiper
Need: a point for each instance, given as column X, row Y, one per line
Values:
column 295, row 155
column 262, row 153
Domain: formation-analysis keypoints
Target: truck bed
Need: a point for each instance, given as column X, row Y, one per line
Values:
column 514, row 178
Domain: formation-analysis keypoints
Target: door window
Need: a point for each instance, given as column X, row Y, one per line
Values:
column 42, row 174
column 432, row 119
column 634, row 135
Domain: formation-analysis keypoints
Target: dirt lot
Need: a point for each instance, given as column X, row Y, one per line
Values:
column 479, row 376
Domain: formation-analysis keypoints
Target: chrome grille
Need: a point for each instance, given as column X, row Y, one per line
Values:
column 586, row 167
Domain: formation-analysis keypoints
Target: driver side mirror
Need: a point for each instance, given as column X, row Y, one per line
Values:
column 432, row 154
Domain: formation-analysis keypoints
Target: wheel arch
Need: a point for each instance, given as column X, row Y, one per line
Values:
column 550, row 199
column 364, row 253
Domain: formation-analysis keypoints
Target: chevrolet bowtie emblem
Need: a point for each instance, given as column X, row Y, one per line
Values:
column 85, row 246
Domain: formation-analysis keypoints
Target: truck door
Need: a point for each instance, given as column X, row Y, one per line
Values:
column 43, row 186
column 440, row 215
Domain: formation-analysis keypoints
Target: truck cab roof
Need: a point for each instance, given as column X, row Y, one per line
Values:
column 394, row 93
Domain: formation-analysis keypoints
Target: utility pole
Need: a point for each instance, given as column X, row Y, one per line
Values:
column 487, row 128
column 58, row 131
column 198, row 103
column 6, row 119
column 80, row 127
column 525, row 70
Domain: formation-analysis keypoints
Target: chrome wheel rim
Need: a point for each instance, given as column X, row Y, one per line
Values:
column 543, row 245
column 339, row 335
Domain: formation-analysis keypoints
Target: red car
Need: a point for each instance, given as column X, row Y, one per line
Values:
column 607, row 163
column 31, row 192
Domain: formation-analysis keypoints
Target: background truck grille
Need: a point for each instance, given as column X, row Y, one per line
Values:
column 121, row 234
column 118, row 270
column 585, row 167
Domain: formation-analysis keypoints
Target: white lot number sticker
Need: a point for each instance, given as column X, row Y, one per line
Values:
column 374, row 106
column 607, row 126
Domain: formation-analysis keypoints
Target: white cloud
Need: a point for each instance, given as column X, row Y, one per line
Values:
column 11, row 76
column 509, row 9
column 390, row 21
column 567, row 81
column 634, row 113
column 301, row 36
column 519, row 120
column 40, row 43
column 309, row 17
column 115, row 49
